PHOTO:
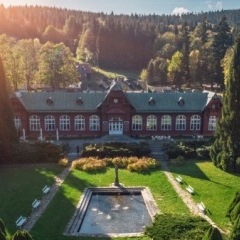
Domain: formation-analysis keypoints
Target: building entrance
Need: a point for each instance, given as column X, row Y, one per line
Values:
column 115, row 127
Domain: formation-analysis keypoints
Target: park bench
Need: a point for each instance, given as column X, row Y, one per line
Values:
column 36, row 204
column 190, row 189
column 21, row 220
column 46, row 190
column 201, row 206
column 179, row 179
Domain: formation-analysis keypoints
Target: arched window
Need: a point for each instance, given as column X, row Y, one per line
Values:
column 94, row 123
column 195, row 122
column 151, row 122
column 49, row 122
column 181, row 123
column 212, row 123
column 34, row 123
column 17, row 122
column 79, row 123
column 64, row 123
column 166, row 123
column 137, row 123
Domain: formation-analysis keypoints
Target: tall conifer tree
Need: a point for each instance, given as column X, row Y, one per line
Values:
column 7, row 129
column 225, row 151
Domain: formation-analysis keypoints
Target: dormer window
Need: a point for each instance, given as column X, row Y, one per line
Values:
column 151, row 101
column 49, row 101
column 79, row 101
column 213, row 106
column 181, row 101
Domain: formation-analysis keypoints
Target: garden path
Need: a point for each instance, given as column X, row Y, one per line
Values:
column 46, row 199
column 186, row 197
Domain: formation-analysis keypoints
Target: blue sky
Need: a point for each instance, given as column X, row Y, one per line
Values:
column 134, row 6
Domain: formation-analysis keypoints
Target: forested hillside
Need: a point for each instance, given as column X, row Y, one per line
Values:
column 166, row 49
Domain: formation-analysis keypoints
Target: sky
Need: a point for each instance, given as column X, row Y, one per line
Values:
column 145, row 7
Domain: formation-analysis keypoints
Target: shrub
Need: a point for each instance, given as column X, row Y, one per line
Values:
column 89, row 164
column 63, row 162
column 173, row 150
column 213, row 234
column 234, row 202
column 143, row 165
column 203, row 153
column 116, row 149
column 22, row 235
column 235, row 212
column 178, row 161
column 235, row 234
column 173, row 226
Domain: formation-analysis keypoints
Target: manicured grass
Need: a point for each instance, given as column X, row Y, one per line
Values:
column 54, row 220
column 213, row 187
column 112, row 73
column 19, row 186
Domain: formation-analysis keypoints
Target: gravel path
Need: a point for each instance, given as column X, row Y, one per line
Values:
column 186, row 197
column 46, row 199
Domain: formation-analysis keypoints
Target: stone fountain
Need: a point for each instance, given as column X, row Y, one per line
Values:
column 113, row 211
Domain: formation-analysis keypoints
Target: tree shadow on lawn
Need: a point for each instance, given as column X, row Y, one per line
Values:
column 192, row 170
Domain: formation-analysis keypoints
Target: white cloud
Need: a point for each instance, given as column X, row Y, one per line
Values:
column 179, row 11
column 213, row 6
column 219, row 5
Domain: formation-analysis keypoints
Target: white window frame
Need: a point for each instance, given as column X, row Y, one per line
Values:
column 212, row 121
column 49, row 123
column 79, row 123
column 180, row 123
column 17, row 122
column 64, row 123
column 151, row 123
column 195, row 122
column 137, row 123
column 94, row 123
column 34, row 123
column 166, row 123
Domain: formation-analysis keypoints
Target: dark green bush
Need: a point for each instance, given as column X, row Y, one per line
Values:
column 36, row 153
column 178, row 161
column 203, row 152
column 235, row 212
column 116, row 149
column 234, row 202
column 173, row 150
column 173, row 226
column 213, row 234
column 235, row 233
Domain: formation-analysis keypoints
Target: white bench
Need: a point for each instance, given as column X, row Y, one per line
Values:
column 21, row 220
column 36, row 204
column 179, row 179
column 46, row 189
column 201, row 206
column 190, row 189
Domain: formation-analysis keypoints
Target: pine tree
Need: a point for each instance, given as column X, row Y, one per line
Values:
column 226, row 148
column 7, row 129
column 222, row 40
column 22, row 235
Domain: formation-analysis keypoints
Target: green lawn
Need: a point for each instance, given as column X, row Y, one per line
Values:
column 19, row 186
column 55, row 218
column 213, row 187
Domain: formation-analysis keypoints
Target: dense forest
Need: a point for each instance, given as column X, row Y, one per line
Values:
column 38, row 44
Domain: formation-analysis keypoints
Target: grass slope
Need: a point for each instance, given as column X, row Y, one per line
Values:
column 213, row 187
